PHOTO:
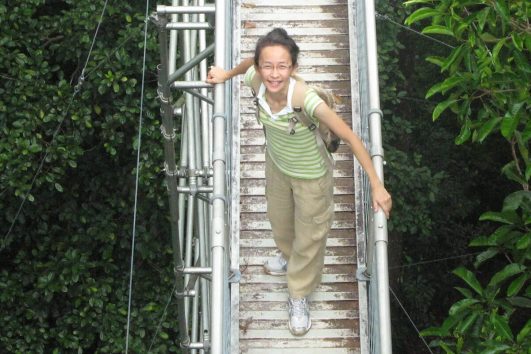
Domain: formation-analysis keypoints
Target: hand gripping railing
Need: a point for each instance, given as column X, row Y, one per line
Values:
column 197, row 186
column 371, row 227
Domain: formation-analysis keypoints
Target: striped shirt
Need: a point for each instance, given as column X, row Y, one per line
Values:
column 295, row 155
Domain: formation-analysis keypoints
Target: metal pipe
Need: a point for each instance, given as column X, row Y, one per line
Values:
column 169, row 153
column 173, row 43
column 219, row 275
column 195, row 346
column 195, row 305
column 192, row 63
column 206, row 9
column 204, row 100
column 183, row 164
column 380, row 222
column 198, row 189
column 190, row 85
column 204, row 232
column 192, row 180
column 188, row 26
column 197, row 270
column 188, row 253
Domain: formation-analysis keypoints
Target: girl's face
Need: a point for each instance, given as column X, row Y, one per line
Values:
column 275, row 68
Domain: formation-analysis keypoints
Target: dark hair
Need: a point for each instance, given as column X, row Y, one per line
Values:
column 277, row 36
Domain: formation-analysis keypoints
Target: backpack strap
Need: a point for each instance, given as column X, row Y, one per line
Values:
column 298, row 97
column 255, row 87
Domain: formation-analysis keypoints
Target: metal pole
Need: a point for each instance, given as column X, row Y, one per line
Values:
column 183, row 164
column 169, row 153
column 192, row 180
column 218, row 212
column 204, row 235
column 380, row 222
column 195, row 304
column 173, row 42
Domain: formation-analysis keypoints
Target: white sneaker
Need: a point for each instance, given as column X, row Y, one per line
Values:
column 276, row 265
column 299, row 316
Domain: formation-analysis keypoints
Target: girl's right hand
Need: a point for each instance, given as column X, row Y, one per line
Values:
column 217, row 75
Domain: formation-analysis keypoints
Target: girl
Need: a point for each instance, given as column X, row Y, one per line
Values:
column 299, row 183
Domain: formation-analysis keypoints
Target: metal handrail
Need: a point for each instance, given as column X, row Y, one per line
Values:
column 371, row 228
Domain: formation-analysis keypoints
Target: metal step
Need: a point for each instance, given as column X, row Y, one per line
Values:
column 259, row 301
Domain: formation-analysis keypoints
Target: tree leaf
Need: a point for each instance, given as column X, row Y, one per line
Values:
column 502, row 9
column 482, row 17
column 510, row 171
column 488, row 37
column 501, row 324
column 465, row 133
column 524, row 333
column 413, row 2
column 485, row 256
column 524, row 242
column 431, row 331
column 515, row 200
column 441, row 107
column 444, row 86
column 506, row 217
column 465, row 292
column 494, row 347
column 469, row 321
column 507, row 272
column 438, row 29
column 496, row 50
column 508, row 125
column 461, row 305
column 469, row 278
column 516, row 285
column 420, row 14
column 487, row 128
column 439, row 61
column 522, row 146
column 481, row 241
column 454, row 56
column 520, row 301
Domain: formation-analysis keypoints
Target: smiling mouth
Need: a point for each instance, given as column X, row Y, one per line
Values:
column 275, row 83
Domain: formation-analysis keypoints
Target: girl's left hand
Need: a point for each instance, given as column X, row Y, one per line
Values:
column 381, row 199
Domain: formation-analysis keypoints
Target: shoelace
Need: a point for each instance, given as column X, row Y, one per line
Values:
column 299, row 307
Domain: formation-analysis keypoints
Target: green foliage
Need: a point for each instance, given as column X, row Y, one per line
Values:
column 481, row 322
column 488, row 71
column 65, row 265
column 487, row 86
column 433, row 183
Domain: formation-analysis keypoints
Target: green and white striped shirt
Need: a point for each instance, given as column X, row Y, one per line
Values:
column 295, row 155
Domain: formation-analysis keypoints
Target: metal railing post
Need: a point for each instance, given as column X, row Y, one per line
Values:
column 380, row 222
column 218, row 247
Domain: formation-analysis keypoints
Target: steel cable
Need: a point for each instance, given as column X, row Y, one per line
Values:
column 133, row 236
column 77, row 88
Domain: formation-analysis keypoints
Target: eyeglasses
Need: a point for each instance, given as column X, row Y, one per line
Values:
column 270, row 68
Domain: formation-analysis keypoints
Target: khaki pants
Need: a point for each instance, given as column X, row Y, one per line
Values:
column 301, row 213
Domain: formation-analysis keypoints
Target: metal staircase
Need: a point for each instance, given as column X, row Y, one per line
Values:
column 220, row 232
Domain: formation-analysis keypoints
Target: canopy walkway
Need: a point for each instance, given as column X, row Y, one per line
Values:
column 220, row 232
